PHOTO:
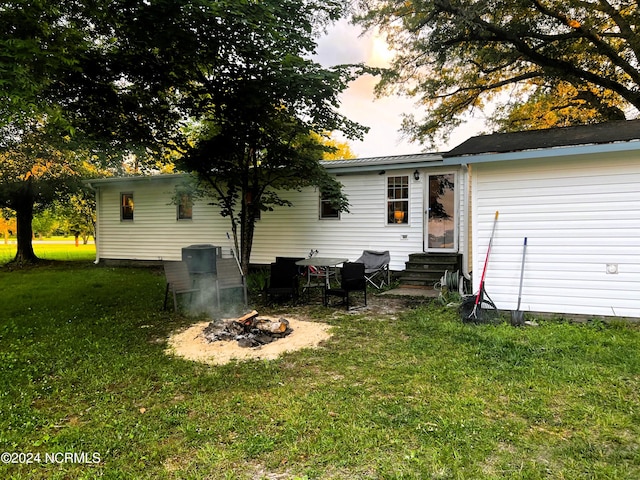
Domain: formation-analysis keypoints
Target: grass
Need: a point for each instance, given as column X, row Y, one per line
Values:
column 52, row 251
column 411, row 396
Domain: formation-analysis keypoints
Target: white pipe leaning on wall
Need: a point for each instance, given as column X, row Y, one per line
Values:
column 465, row 233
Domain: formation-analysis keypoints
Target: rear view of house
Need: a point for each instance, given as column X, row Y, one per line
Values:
column 409, row 205
column 574, row 193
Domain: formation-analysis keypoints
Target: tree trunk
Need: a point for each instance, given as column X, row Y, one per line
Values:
column 24, row 234
column 247, row 229
column 246, row 242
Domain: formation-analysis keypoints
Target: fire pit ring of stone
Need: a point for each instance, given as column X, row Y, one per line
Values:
column 192, row 343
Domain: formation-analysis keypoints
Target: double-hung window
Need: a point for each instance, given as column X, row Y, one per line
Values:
column 185, row 206
column 126, row 206
column 398, row 200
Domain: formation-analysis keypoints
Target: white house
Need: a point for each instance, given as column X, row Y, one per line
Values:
column 389, row 198
column 575, row 194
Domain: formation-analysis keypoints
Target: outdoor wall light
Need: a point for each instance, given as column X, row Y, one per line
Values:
column 416, row 175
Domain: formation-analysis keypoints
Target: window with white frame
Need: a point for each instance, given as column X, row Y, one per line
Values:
column 328, row 211
column 185, row 206
column 398, row 200
column 126, row 206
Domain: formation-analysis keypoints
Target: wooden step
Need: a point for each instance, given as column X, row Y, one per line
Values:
column 426, row 269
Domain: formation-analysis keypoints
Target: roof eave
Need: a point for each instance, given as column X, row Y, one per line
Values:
column 378, row 168
column 134, row 178
column 376, row 164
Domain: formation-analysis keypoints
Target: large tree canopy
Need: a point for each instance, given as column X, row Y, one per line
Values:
column 65, row 97
column 139, row 75
column 456, row 55
column 258, row 114
column 36, row 44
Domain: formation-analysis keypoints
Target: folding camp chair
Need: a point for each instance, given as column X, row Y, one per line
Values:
column 352, row 279
column 179, row 282
column 376, row 267
column 228, row 276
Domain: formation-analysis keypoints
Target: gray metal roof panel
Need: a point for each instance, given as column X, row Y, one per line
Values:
column 409, row 159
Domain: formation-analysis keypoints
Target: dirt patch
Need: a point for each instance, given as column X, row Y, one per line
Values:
column 192, row 345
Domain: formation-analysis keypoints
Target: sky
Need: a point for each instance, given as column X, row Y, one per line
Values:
column 344, row 43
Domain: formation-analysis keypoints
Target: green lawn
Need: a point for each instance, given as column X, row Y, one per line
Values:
column 415, row 395
column 53, row 251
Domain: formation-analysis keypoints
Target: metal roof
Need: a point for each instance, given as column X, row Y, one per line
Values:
column 352, row 165
column 134, row 178
column 394, row 162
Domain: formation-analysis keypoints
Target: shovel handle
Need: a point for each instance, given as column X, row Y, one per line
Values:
column 524, row 251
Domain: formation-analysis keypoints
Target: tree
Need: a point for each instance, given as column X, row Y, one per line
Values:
column 257, row 115
column 7, row 224
column 457, row 55
column 33, row 174
column 558, row 105
column 136, row 73
column 44, row 223
column 339, row 150
column 78, row 215
column 67, row 92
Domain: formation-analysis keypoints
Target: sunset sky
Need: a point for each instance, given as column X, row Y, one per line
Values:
column 343, row 44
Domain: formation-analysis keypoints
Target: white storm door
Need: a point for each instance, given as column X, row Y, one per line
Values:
column 441, row 225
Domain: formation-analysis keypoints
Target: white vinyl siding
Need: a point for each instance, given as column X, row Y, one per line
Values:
column 295, row 231
column 579, row 215
column 155, row 234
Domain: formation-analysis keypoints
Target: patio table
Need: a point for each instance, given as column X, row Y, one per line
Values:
column 326, row 262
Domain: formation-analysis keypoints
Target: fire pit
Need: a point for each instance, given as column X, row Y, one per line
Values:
column 193, row 343
column 250, row 330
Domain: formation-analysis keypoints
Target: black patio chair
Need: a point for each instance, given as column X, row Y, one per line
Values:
column 376, row 267
column 284, row 279
column 352, row 279
column 291, row 261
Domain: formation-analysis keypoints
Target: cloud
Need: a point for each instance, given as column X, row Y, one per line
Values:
column 345, row 43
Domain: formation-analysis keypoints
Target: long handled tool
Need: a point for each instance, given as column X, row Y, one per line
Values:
column 517, row 317
column 474, row 312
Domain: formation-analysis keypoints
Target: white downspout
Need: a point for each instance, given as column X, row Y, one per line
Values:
column 95, row 234
column 467, row 220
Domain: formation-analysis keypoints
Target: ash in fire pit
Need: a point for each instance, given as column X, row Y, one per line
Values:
column 249, row 330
